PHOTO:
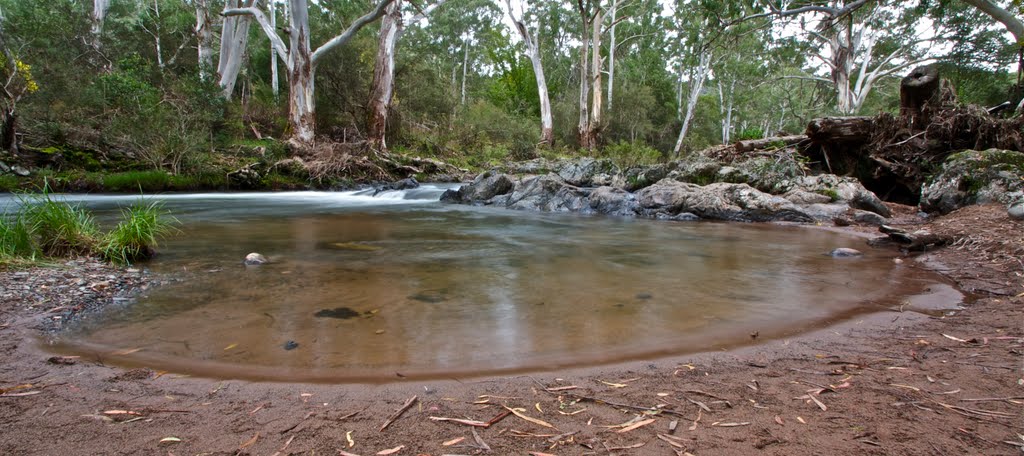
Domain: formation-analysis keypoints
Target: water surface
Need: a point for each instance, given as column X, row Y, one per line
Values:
column 364, row 288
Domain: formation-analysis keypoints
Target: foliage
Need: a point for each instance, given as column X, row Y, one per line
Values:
column 60, row 228
column 136, row 237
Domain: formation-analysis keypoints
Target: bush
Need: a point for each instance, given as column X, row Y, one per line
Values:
column 626, row 154
column 136, row 237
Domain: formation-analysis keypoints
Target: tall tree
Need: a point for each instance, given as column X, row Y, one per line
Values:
column 99, row 15
column 383, row 86
column 234, row 41
column 204, row 37
column 1014, row 25
column 301, row 60
column 547, row 135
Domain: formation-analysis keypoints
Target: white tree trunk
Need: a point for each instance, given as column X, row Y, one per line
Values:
column 204, row 38
column 595, row 72
column 465, row 64
column 583, row 128
column 547, row 132
column 382, row 87
column 611, row 54
column 697, row 78
column 99, row 15
column 275, row 84
column 234, row 40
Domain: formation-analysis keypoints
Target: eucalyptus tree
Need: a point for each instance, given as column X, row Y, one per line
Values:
column 382, row 88
column 530, row 38
column 1011, row 20
column 301, row 60
column 99, row 15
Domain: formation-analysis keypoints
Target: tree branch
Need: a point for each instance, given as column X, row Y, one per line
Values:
column 267, row 30
column 351, row 31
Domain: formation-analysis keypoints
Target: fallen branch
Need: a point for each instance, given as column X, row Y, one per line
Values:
column 398, row 413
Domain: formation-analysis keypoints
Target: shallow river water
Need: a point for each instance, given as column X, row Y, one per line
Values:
column 362, row 287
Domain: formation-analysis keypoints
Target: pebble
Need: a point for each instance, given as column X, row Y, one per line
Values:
column 845, row 252
column 254, row 259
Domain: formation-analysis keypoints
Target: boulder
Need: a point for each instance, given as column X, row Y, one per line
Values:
column 972, row 177
column 246, row 177
column 845, row 252
column 613, row 201
column 486, row 186
column 838, row 189
column 720, row 201
column 548, row 193
column 1016, row 210
column 20, row 171
column 582, row 172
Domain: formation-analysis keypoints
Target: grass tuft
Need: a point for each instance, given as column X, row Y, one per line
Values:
column 137, row 236
column 60, row 229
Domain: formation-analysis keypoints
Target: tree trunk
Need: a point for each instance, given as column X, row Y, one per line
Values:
column 204, row 38
column 697, row 78
column 301, row 104
column 595, row 72
column 274, row 83
column 583, row 129
column 9, row 131
column 611, row 55
column 757, row 144
column 465, row 64
column 547, row 133
column 382, row 87
column 725, row 99
column 234, row 40
column 99, row 15
column 840, row 129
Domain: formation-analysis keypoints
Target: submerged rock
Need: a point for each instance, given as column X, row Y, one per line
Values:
column 486, row 186
column 255, row 259
column 845, row 252
column 342, row 313
column 290, row 345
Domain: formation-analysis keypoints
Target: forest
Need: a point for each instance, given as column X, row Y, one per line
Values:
column 191, row 89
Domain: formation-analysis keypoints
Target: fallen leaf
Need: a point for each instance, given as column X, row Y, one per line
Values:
column 121, row 412
column 820, row 404
column 125, row 352
column 346, row 453
column 250, row 442
column 460, row 421
column 674, row 441
column 954, row 338
column 391, row 451
column 229, row 347
column 636, row 425
column 348, row 437
column 778, row 419
column 537, row 406
column 538, row 453
column 563, row 388
column 453, row 441
column 720, row 424
column 527, row 418
column 170, row 440
column 801, row 420
column 614, row 385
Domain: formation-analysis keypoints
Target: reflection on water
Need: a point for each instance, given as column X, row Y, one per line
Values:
column 363, row 289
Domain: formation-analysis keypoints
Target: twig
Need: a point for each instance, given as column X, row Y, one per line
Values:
column 398, row 413
column 613, row 404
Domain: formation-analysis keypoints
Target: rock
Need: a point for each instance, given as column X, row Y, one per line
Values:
column 1016, row 210
column 405, row 184
column 840, row 189
column 246, row 177
column 290, row 345
column 486, row 186
column 973, row 177
column 845, row 252
column 255, row 259
column 825, row 212
column 720, row 201
column 547, row 193
column 613, row 201
column 535, row 166
column 294, row 167
column 4, row 169
column 798, row 196
column 582, row 172
column 868, row 218
column 698, row 170
column 16, row 169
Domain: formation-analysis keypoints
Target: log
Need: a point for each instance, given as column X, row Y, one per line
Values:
column 773, row 142
column 840, row 129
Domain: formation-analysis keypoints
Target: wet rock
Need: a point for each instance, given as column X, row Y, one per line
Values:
column 246, row 177
column 799, row 196
column 255, row 259
column 405, row 184
column 20, row 171
column 4, row 169
column 698, row 170
column 845, row 252
column 547, row 193
column 720, row 201
column 290, row 345
column 535, row 166
column 429, row 297
column 342, row 313
column 644, row 296
column 613, row 201
column 840, row 189
column 826, row 212
column 973, row 177
column 486, row 186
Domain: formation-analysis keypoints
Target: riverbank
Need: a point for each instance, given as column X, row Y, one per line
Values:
column 886, row 383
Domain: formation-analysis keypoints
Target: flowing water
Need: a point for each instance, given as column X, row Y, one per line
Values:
column 363, row 287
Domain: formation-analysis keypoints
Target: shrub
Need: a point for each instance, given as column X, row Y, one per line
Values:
column 136, row 237
column 626, row 154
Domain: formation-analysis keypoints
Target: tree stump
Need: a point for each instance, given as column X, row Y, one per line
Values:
column 924, row 87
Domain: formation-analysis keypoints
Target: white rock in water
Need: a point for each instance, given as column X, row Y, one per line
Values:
column 845, row 252
column 254, row 259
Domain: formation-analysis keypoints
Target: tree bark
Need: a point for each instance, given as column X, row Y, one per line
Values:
column 840, row 129
column 757, row 144
column 697, row 78
column 99, row 15
column 547, row 132
column 274, row 83
column 204, row 38
column 595, row 71
column 611, row 54
column 234, row 40
column 382, row 87
column 583, row 128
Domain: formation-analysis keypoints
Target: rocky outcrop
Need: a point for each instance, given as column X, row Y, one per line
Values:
column 486, row 186
column 718, row 201
column 972, row 177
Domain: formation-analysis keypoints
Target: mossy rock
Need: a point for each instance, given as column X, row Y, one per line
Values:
column 972, row 177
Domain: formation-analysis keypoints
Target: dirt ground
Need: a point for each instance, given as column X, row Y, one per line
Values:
column 899, row 383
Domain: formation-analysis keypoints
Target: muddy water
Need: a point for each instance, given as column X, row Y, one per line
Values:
column 365, row 288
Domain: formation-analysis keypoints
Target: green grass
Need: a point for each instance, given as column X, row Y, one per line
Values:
column 16, row 240
column 9, row 183
column 60, row 229
column 135, row 181
column 137, row 236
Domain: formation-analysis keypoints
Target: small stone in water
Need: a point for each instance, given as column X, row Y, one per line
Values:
column 430, row 297
column 255, row 259
column 343, row 313
column 644, row 296
column 291, row 345
column 845, row 252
